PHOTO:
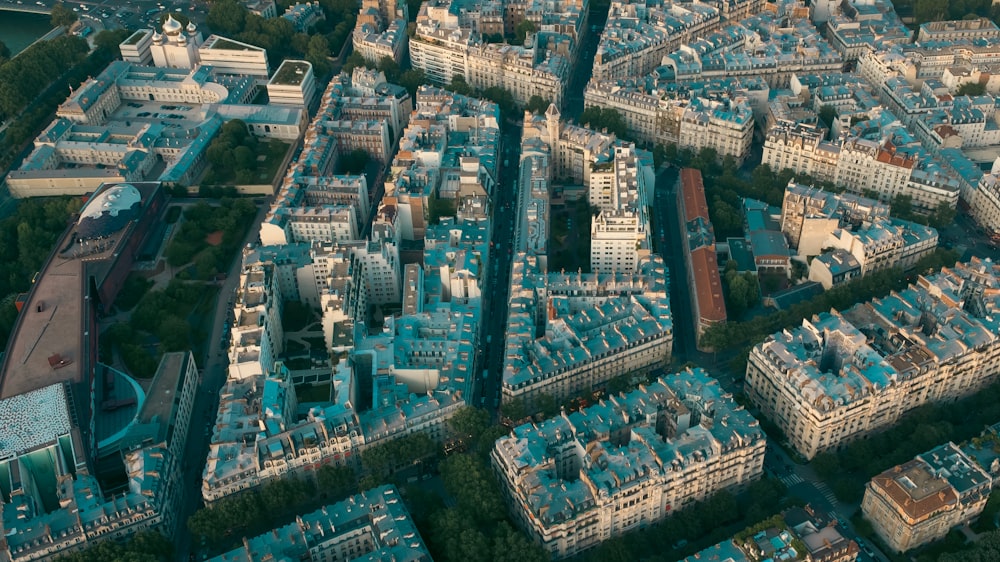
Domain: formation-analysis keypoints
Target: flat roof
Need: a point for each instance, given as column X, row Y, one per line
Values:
column 46, row 346
column 33, row 419
column 167, row 384
column 291, row 72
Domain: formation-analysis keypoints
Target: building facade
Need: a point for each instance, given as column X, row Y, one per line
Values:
column 841, row 376
column 581, row 478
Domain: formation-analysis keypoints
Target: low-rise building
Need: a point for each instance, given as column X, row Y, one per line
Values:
column 705, row 285
column 627, row 462
column 919, row 501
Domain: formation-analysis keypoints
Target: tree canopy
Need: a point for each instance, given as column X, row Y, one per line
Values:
column 61, row 15
column 597, row 118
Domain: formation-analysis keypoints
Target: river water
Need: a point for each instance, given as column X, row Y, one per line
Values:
column 20, row 29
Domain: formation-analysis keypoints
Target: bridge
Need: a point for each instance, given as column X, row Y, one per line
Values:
column 36, row 9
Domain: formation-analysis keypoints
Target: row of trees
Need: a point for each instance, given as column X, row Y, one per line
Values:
column 44, row 101
column 276, row 503
column 732, row 335
column 25, row 76
column 26, row 240
column 697, row 527
column 145, row 546
column 598, row 119
column 847, row 470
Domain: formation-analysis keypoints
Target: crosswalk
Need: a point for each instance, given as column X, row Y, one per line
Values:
column 790, row 479
column 827, row 492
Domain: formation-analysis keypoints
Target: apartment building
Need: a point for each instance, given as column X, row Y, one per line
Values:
column 449, row 42
column 722, row 121
column 860, row 26
column 885, row 243
column 311, row 208
column 920, row 501
column 979, row 28
column 764, row 46
column 449, row 150
column 802, row 148
column 985, row 201
column 304, row 15
column 568, row 332
column 705, row 285
column 623, row 464
column 638, row 34
column 842, row 375
column 380, row 30
column 618, row 233
column 372, row 525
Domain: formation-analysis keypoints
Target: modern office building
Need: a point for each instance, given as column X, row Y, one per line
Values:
column 373, row 525
column 843, row 375
column 292, row 84
column 920, row 501
column 73, row 425
column 578, row 479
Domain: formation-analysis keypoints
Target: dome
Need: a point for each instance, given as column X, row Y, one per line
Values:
column 171, row 26
column 191, row 28
column 109, row 211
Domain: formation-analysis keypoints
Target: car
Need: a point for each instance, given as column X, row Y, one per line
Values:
column 864, row 547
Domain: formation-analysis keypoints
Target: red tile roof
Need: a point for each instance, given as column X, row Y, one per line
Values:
column 693, row 194
column 708, row 285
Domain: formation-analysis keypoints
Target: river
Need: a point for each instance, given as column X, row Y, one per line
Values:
column 20, row 29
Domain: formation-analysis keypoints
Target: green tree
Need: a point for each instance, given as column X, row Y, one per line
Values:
column 902, row 207
column 353, row 162
column 109, row 39
column 972, row 89
column 943, row 215
column 522, row 30
column 469, row 423
column 412, row 80
column 227, row 17
column 610, row 119
column 537, row 104
column 62, row 16
column 388, row 66
column 460, row 86
column 354, row 60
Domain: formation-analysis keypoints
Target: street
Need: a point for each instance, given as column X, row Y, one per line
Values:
column 214, row 368
column 497, row 286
